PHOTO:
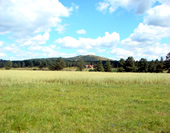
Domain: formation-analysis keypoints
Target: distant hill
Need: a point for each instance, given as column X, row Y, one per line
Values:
column 87, row 58
column 74, row 59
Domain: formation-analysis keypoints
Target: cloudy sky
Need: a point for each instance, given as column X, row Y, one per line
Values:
column 65, row 28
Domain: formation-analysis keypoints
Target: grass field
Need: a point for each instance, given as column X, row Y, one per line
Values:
column 47, row 101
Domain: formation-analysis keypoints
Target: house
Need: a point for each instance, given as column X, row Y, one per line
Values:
column 89, row 66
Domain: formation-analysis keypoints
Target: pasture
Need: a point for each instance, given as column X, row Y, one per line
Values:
column 53, row 101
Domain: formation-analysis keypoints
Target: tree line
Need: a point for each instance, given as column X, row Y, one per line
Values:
column 154, row 66
column 128, row 65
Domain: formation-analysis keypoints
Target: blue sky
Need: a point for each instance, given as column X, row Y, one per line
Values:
column 64, row 28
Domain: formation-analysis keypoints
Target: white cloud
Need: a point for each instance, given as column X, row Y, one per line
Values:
column 150, row 52
column 121, row 53
column 61, row 28
column 37, row 40
column 100, row 50
column 145, row 35
column 82, row 31
column 32, row 48
column 102, row 6
column 84, row 52
column 109, row 40
column 27, row 17
column 50, row 52
column 140, row 6
column 158, row 16
column 12, row 48
column 2, row 54
column 1, row 43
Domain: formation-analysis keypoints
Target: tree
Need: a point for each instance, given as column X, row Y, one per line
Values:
column 168, row 56
column 52, row 66
column 30, row 63
column 107, row 67
column 143, row 65
column 1, row 64
column 15, row 65
column 57, row 65
column 41, row 65
column 23, row 64
column 8, row 65
column 62, row 63
column 122, row 62
column 167, row 63
column 99, row 66
column 130, row 65
column 159, row 65
column 122, row 65
column 81, row 64
column 152, row 67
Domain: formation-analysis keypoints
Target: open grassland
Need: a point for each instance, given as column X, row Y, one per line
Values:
column 47, row 101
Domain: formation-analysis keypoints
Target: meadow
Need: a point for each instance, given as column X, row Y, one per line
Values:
column 93, row 102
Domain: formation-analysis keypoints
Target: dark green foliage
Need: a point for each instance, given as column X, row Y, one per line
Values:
column 143, row 65
column 8, row 65
column 15, row 65
column 41, row 65
column 121, row 69
column 130, row 65
column 152, row 66
column 159, row 67
column 52, row 66
column 81, row 65
column 107, row 67
column 99, row 66
column 122, row 62
column 57, row 65
column 167, row 63
column 2, row 63
column 122, row 65
column 23, row 64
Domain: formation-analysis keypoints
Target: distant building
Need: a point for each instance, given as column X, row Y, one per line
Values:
column 89, row 66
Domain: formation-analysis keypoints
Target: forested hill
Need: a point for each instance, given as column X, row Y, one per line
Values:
column 70, row 62
column 87, row 58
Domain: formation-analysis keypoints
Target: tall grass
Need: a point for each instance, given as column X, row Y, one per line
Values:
column 50, row 101
column 43, row 77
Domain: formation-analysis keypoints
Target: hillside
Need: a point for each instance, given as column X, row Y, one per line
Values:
column 87, row 58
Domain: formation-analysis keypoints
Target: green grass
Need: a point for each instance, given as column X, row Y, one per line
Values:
column 48, row 101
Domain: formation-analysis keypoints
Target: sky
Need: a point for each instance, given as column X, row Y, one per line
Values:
column 65, row 28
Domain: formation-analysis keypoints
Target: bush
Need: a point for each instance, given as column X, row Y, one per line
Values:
column 91, row 70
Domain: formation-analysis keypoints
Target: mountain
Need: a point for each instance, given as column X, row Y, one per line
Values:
column 74, row 59
column 87, row 58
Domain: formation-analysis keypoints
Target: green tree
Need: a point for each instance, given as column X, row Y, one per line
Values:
column 52, row 65
column 122, row 65
column 41, row 65
column 130, row 65
column 15, row 65
column 23, row 64
column 62, row 63
column 81, row 64
column 160, row 66
column 152, row 67
column 167, row 63
column 99, row 66
column 107, row 67
column 8, row 65
column 143, row 65
column 30, row 63
column 57, row 65
column 1, row 64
